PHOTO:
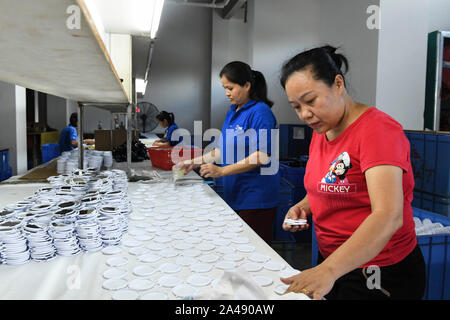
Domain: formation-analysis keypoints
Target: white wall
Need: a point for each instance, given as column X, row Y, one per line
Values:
column 13, row 124
column 280, row 30
column 343, row 24
column 21, row 131
column 402, row 56
column 180, row 74
column 56, row 112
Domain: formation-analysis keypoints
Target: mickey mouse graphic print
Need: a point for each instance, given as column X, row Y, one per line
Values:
column 337, row 188
column 336, row 178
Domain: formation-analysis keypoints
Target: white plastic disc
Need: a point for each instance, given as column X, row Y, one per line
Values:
column 263, row 281
column 205, row 246
column 169, row 281
column 226, row 265
column 274, row 265
column 201, row 267
column 141, row 284
column 184, row 291
column 117, row 261
column 240, row 240
column 149, row 258
column 114, row 284
column 154, row 296
column 199, row 280
column 257, row 257
column 252, row 266
column 110, row 250
column 233, row 257
column 169, row 268
column 287, row 273
column 144, row 271
column 209, row 258
column 281, row 288
column 115, row 273
column 245, row 248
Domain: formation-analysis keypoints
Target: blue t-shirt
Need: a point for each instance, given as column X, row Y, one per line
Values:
column 244, row 132
column 169, row 132
column 66, row 136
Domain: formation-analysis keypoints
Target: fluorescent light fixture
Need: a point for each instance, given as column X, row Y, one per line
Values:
column 141, row 86
column 159, row 4
column 135, row 17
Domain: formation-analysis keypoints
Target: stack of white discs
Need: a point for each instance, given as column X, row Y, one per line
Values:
column 84, row 210
column 64, row 238
column 107, row 159
column 95, row 162
column 39, row 241
column 88, row 231
column 110, row 222
column 13, row 244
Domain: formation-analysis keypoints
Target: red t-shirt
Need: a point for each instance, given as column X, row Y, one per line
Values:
column 337, row 189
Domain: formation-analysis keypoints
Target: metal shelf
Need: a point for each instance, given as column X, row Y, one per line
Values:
column 39, row 51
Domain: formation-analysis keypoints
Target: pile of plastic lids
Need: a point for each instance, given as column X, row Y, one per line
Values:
column 68, row 161
column 82, row 211
column 427, row 227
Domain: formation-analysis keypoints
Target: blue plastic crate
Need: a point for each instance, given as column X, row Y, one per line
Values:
column 417, row 199
column 50, row 151
column 6, row 174
column 429, row 172
column 442, row 179
column 417, row 144
column 294, row 140
column 284, row 204
column 436, row 252
column 441, row 205
column 4, row 160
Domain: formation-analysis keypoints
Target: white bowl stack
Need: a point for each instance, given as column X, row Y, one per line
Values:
column 82, row 211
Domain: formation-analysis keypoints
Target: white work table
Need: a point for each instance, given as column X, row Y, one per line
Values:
column 81, row 276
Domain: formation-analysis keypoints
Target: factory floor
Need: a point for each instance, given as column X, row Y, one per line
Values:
column 297, row 254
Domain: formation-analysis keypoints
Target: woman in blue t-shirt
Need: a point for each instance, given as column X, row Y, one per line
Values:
column 250, row 179
column 166, row 120
column 68, row 138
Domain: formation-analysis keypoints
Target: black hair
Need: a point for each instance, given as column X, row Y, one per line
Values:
column 324, row 62
column 73, row 119
column 240, row 73
column 163, row 115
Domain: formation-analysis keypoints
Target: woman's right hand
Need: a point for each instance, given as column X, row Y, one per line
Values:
column 187, row 165
column 297, row 212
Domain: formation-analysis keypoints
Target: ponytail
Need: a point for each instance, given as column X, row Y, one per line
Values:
column 258, row 91
column 240, row 73
column 163, row 115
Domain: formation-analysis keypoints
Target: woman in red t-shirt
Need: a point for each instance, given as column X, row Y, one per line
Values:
column 359, row 185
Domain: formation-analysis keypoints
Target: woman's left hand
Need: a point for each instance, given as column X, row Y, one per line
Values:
column 315, row 282
column 211, row 171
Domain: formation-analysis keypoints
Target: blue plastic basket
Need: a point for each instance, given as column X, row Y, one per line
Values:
column 50, row 151
column 436, row 252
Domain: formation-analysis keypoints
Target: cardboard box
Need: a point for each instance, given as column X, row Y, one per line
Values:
column 106, row 140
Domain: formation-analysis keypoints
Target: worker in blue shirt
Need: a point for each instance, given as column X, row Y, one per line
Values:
column 167, row 121
column 245, row 150
column 68, row 138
